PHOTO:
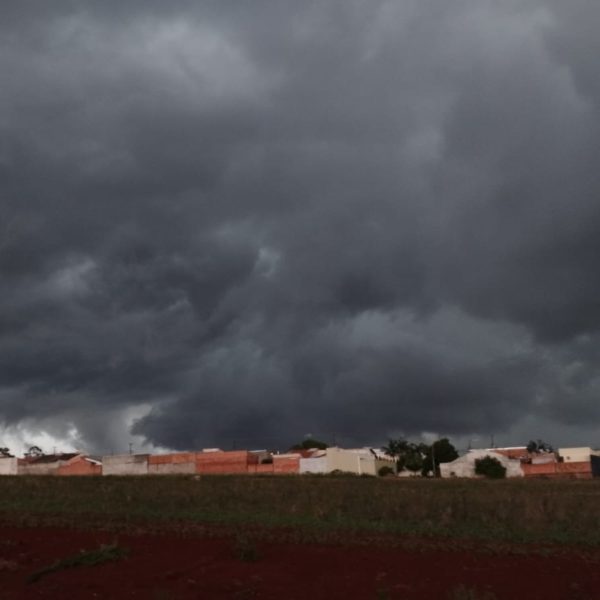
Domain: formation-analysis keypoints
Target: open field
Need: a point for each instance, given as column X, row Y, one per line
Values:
column 296, row 537
column 44, row 563
column 512, row 510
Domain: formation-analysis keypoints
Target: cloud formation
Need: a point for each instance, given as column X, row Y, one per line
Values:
column 225, row 224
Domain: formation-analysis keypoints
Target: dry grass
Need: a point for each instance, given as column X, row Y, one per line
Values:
column 511, row 510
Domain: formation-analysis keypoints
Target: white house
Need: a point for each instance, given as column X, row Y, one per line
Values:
column 8, row 465
column 316, row 463
column 464, row 466
column 581, row 454
column 362, row 461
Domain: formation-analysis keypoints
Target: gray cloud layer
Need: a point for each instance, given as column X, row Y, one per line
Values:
column 261, row 219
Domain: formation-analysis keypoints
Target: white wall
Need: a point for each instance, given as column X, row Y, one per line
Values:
column 348, row 461
column 313, row 465
column 575, row 454
column 125, row 464
column 360, row 461
column 8, row 466
column 464, row 466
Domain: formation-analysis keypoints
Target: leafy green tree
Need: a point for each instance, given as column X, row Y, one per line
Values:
column 34, row 451
column 5, row 452
column 408, row 455
column 309, row 444
column 397, row 449
column 386, row 471
column 413, row 460
column 441, row 451
column 539, row 446
column 490, row 467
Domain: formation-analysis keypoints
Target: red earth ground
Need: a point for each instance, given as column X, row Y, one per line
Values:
column 162, row 567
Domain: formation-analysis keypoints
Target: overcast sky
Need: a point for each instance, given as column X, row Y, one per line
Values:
column 236, row 223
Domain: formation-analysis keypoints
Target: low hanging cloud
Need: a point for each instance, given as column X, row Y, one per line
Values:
column 233, row 225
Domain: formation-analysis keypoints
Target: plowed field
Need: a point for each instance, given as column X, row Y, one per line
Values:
column 168, row 566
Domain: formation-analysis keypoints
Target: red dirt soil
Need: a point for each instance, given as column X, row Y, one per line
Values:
column 162, row 567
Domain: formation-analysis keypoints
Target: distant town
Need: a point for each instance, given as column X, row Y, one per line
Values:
column 399, row 458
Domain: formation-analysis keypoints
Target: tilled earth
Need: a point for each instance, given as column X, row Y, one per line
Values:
column 167, row 566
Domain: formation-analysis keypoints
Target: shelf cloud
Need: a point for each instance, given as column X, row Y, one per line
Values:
column 231, row 224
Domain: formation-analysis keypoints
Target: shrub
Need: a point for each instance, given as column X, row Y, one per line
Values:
column 385, row 471
column 309, row 444
column 490, row 467
column 245, row 548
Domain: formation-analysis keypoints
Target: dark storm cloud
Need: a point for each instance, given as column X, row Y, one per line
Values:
column 239, row 222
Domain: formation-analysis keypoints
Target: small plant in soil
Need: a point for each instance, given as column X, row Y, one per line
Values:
column 463, row 592
column 245, row 548
column 86, row 558
column 382, row 590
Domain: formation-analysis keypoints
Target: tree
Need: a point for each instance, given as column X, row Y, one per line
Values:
column 386, row 471
column 490, row 467
column 413, row 461
column 34, row 451
column 309, row 444
column 396, row 448
column 538, row 446
column 441, row 451
column 5, row 452
column 407, row 454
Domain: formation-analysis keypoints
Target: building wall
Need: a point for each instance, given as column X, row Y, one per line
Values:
column 286, row 464
column 222, row 463
column 360, row 461
column 564, row 470
column 79, row 466
column 260, row 468
column 125, row 464
column 581, row 454
column 543, row 458
column 48, row 468
column 368, row 465
column 172, row 464
column 338, row 459
column 380, row 462
column 8, row 466
column 313, row 465
column 517, row 452
column 595, row 464
column 464, row 466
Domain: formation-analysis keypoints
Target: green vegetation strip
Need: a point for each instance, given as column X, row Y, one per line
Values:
column 566, row 512
column 86, row 558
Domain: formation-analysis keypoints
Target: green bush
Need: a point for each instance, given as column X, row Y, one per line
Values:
column 385, row 471
column 490, row 467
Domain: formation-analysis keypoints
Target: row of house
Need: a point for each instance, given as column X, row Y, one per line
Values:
column 361, row 461
column 74, row 463
column 566, row 463
column 570, row 463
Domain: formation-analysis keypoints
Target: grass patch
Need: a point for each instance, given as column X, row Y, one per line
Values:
column 86, row 558
column 530, row 511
